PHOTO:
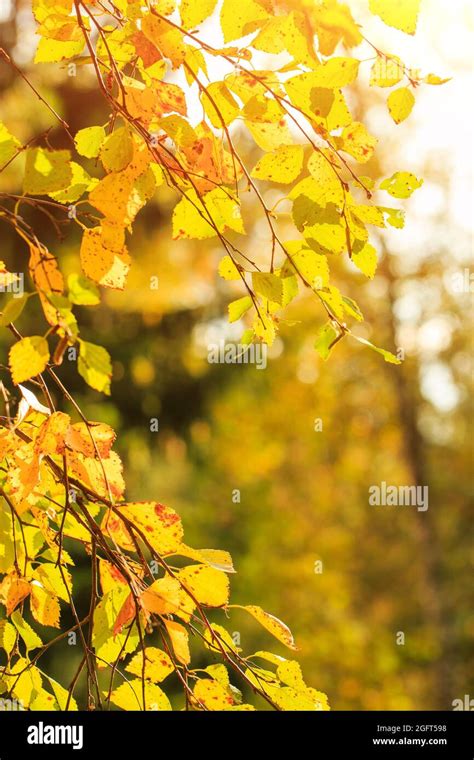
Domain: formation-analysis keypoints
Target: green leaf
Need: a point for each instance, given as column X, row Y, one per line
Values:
column 108, row 647
column 13, row 309
column 46, row 171
column 352, row 308
column 95, row 366
column 9, row 145
column 62, row 695
column 29, row 636
column 387, row 355
column 325, row 340
column 88, row 141
column 238, row 308
column 82, row 291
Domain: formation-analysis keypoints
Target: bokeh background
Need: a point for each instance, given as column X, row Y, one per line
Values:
column 304, row 491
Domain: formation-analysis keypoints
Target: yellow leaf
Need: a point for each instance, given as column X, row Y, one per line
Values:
column 53, row 580
column 158, row 665
column 208, row 585
column 166, row 38
column 228, row 269
column 25, row 681
column 275, row 626
column 163, row 597
column 365, row 259
column 269, row 136
column 268, row 285
column 242, row 18
column 44, row 605
column 213, row 695
column 104, row 256
column 400, row 104
column 9, row 145
column 91, row 472
column 79, row 183
column 194, row 13
column 117, row 150
column 46, row 171
column 401, row 14
column 160, row 525
column 7, row 636
column 88, row 141
column 110, row 576
column 29, row 636
column 435, row 79
column 53, row 51
column 109, row 645
column 401, row 184
column 28, row 358
column 356, row 141
column 121, row 195
column 287, row 32
column 326, row 173
column 386, row 72
column 220, row 105
column 12, row 591
column 335, row 73
column 62, row 695
column 129, row 696
column 94, row 366
column 290, row 673
column 179, row 641
column 238, row 308
column 220, row 639
column 283, row 165
column 192, row 215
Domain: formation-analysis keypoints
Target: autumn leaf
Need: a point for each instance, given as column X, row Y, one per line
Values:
column 129, row 696
column 400, row 104
column 283, row 165
column 401, row 184
column 272, row 624
column 94, row 366
column 157, row 664
column 208, row 585
column 402, row 14
column 28, row 358
column 88, row 141
column 13, row 590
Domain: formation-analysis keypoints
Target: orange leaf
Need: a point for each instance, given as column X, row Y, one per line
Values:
column 12, row 591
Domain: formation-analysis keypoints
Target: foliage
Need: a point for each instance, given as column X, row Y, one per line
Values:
column 61, row 479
